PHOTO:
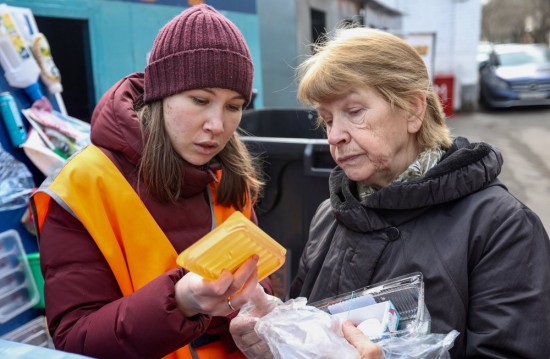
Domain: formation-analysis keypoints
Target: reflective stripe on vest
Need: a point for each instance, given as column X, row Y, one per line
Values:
column 120, row 224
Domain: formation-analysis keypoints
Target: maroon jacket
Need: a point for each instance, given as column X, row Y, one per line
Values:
column 86, row 311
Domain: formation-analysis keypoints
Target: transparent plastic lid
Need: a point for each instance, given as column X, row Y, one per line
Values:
column 406, row 293
column 229, row 245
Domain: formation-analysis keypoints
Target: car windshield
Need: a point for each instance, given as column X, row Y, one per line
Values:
column 483, row 51
column 531, row 55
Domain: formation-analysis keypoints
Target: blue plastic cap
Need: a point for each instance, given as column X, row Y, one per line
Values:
column 34, row 91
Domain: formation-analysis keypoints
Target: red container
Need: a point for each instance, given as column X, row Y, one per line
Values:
column 444, row 85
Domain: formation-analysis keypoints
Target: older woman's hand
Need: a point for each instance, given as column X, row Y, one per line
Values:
column 219, row 297
column 361, row 342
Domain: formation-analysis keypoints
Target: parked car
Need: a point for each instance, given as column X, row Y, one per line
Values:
column 484, row 49
column 516, row 75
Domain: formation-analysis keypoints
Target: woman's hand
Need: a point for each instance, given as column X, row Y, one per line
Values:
column 219, row 297
column 361, row 342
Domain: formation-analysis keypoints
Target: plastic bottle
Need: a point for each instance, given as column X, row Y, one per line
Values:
column 12, row 119
column 20, row 68
column 48, row 70
column 40, row 48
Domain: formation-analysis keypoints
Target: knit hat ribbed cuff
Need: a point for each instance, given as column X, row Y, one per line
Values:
column 199, row 68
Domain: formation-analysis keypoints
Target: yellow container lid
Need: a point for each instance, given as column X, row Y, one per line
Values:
column 229, row 245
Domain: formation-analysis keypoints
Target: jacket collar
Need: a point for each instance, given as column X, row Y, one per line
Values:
column 465, row 168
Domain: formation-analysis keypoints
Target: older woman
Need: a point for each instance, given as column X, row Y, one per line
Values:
column 407, row 197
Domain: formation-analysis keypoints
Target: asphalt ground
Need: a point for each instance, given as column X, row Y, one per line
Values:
column 523, row 137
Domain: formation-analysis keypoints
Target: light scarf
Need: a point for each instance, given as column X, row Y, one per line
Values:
column 423, row 163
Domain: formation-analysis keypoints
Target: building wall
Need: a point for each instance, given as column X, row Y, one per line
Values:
column 285, row 42
column 457, row 24
column 380, row 20
column 285, row 27
column 279, row 52
column 122, row 32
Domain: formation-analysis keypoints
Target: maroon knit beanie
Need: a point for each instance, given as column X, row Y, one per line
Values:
column 199, row 48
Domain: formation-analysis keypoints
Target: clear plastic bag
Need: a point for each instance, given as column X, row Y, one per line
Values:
column 242, row 326
column 294, row 330
column 16, row 182
column 424, row 346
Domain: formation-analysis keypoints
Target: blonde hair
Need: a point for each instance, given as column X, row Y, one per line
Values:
column 160, row 164
column 358, row 57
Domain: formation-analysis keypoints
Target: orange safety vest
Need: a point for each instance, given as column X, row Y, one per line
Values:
column 120, row 224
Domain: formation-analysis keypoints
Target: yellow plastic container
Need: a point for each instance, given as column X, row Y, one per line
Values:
column 229, row 245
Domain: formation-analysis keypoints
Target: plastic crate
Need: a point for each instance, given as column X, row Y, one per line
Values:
column 33, row 332
column 18, row 290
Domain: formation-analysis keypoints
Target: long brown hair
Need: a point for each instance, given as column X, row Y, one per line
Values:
column 160, row 164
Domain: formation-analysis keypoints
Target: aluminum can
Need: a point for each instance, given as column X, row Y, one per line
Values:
column 12, row 119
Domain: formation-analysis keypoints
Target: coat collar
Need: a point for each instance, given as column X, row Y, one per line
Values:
column 465, row 168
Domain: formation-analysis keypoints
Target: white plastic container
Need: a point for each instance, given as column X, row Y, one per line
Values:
column 20, row 68
column 25, row 21
column 40, row 47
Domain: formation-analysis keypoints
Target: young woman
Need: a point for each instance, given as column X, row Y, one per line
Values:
column 164, row 168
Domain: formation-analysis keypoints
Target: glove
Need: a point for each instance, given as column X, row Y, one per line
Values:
column 242, row 326
column 219, row 297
